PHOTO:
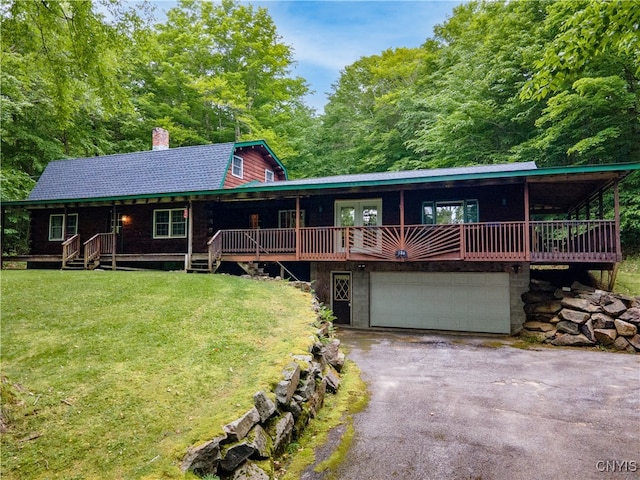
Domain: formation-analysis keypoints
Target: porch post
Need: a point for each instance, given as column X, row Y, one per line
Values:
column 189, row 235
column 114, row 237
column 527, row 228
column 297, row 227
column 616, row 203
column 402, row 239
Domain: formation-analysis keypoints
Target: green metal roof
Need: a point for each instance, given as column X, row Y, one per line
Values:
column 381, row 179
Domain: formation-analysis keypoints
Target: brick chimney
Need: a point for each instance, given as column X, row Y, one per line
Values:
column 160, row 139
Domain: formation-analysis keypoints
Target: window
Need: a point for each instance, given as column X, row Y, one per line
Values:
column 287, row 218
column 450, row 212
column 169, row 223
column 237, row 166
column 268, row 175
column 61, row 228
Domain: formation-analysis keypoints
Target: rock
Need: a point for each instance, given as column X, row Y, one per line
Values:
column 580, row 288
column 600, row 320
column 203, row 459
column 541, row 286
column 632, row 315
column 587, row 330
column 543, row 308
column 305, row 362
column 581, row 304
column 561, row 293
column 567, row 340
column 568, row 327
column 261, row 442
column 623, row 345
column 317, row 400
column 606, row 336
column 595, row 298
column 287, row 387
column 538, row 326
column 574, row 316
column 539, row 336
column 293, row 407
column 625, row 329
column 333, row 379
column 554, row 320
column 635, row 342
column 615, row 308
column 536, row 297
column 239, row 428
column 306, row 388
column 235, row 454
column 264, row 405
column 282, row 436
column 250, row 471
column 333, row 355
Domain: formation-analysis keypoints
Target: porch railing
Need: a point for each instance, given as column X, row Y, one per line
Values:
column 553, row 241
column 100, row 243
column 70, row 249
column 574, row 240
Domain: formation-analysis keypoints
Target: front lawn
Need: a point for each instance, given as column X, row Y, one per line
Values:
column 115, row 374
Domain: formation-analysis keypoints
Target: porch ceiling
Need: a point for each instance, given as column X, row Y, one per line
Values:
column 562, row 193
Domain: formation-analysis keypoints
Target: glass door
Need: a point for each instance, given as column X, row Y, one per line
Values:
column 359, row 214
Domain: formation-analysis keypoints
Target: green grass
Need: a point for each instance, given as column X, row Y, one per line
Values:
column 628, row 278
column 115, row 374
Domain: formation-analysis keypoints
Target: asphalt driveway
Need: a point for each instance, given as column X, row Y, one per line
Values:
column 458, row 407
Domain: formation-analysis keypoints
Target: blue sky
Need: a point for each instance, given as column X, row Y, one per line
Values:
column 328, row 35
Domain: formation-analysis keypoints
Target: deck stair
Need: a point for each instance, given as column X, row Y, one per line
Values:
column 199, row 266
column 252, row 268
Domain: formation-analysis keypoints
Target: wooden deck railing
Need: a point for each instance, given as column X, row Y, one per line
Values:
column 574, row 241
column 554, row 242
column 100, row 243
column 70, row 249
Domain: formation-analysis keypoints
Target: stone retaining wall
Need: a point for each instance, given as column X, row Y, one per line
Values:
column 581, row 316
column 251, row 443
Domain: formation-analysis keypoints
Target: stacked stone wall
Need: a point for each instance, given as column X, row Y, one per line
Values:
column 251, row 443
column 580, row 315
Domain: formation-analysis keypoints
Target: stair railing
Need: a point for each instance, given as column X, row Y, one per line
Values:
column 98, row 244
column 70, row 249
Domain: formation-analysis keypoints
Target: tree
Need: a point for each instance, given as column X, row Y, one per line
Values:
column 589, row 75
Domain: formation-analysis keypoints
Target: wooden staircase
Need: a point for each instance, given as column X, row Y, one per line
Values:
column 252, row 268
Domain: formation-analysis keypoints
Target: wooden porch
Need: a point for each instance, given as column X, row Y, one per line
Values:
column 553, row 242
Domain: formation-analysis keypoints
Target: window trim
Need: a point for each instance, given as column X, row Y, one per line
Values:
column 266, row 176
column 170, row 234
column 64, row 228
column 290, row 215
column 466, row 203
column 239, row 165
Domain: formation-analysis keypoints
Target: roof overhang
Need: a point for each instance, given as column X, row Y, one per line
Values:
column 568, row 185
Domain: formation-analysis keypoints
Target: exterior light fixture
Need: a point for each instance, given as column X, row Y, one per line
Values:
column 401, row 254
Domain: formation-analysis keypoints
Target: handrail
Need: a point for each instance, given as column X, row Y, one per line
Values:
column 98, row 244
column 214, row 249
column 70, row 249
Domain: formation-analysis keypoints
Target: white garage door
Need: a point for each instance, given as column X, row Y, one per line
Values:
column 470, row 302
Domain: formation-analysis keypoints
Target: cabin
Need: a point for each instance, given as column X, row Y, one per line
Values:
column 445, row 249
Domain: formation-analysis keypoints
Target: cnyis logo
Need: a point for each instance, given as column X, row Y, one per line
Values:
column 616, row 466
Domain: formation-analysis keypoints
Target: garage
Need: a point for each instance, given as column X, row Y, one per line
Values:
column 469, row 302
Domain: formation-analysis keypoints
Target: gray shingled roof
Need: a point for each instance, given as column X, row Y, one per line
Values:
column 427, row 174
column 184, row 169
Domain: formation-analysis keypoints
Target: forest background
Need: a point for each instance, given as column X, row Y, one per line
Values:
column 555, row 82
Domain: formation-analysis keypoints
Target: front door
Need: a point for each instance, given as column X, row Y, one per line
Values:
column 341, row 297
column 359, row 213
